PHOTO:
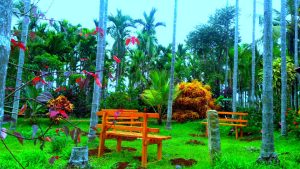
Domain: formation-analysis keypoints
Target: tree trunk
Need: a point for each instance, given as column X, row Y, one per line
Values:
column 5, row 25
column 24, row 36
column 99, row 70
column 171, row 90
column 252, row 97
column 283, row 69
column 267, row 153
column 296, row 52
column 235, row 62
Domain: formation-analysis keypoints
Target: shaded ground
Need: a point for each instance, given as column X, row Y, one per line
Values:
column 183, row 162
column 195, row 142
column 251, row 138
column 94, row 152
column 197, row 135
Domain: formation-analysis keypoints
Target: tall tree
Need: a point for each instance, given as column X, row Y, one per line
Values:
column 171, row 91
column 296, row 5
column 235, row 59
column 253, row 54
column 267, row 149
column 119, row 31
column 24, row 36
column 99, row 57
column 283, row 68
column 5, row 26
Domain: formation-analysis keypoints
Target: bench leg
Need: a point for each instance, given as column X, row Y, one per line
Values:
column 144, row 153
column 101, row 144
column 236, row 132
column 119, row 143
column 241, row 132
column 159, row 150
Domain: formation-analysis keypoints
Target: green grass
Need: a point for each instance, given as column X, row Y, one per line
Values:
column 235, row 153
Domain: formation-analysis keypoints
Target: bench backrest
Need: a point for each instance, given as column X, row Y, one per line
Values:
column 234, row 117
column 118, row 123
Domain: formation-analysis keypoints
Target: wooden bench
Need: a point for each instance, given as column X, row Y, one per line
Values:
column 116, row 119
column 122, row 131
column 226, row 119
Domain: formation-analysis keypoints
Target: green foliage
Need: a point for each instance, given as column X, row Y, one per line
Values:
column 46, row 59
column 120, row 100
column 157, row 95
column 34, row 107
column 58, row 143
column 291, row 74
column 254, row 120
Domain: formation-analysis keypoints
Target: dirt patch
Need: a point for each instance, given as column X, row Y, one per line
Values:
column 94, row 152
column 121, row 165
column 183, row 162
column 130, row 149
column 195, row 142
column 197, row 135
column 249, row 139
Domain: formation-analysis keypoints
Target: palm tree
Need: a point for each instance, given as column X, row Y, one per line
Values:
column 171, row 90
column 24, row 35
column 119, row 31
column 157, row 95
column 235, row 62
column 5, row 26
column 253, row 54
column 296, row 51
column 99, row 68
column 267, row 149
column 147, row 36
column 283, row 69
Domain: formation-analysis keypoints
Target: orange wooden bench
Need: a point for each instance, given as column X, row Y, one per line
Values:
column 226, row 119
column 122, row 131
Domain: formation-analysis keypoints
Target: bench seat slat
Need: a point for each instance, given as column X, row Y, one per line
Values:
column 233, row 113
column 134, row 134
column 129, row 128
column 228, row 124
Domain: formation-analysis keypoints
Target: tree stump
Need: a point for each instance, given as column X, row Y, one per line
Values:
column 79, row 157
column 214, row 141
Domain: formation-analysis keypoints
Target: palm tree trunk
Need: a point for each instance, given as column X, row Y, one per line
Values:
column 283, row 69
column 267, row 153
column 235, row 62
column 5, row 26
column 24, row 35
column 296, row 53
column 171, row 91
column 253, row 55
column 99, row 57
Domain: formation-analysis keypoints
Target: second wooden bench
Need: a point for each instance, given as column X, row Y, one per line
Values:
column 226, row 119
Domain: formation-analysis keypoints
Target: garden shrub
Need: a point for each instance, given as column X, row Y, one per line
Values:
column 194, row 97
column 117, row 100
column 254, row 120
column 57, row 144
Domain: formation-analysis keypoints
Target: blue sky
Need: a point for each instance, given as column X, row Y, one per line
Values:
column 190, row 13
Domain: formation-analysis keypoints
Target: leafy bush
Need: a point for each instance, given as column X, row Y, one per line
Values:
column 117, row 100
column 194, row 97
column 57, row 144
column 185, row 115
column 254, row 119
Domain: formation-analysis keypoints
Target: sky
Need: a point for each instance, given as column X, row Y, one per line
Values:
column 190, row 14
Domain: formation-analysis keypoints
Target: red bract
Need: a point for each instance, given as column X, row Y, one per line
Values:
column 133, row 40
column 95, row 77
column 38, row 79
column 116, row 59
column 23, row 109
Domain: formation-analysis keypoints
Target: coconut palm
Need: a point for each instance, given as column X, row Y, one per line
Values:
column 283, row 69
column 253, row 54
column 24, row 35
column 99, row 67
column 235, row 62
column 170, row 100
column 5, row 26
column 267, row 149
column 157, row 95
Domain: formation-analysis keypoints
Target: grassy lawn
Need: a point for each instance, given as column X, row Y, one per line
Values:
column 235, row 153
